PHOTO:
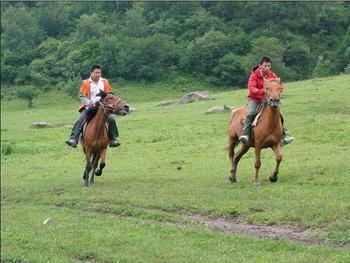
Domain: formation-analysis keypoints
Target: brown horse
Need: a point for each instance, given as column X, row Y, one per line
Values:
column 266, row 134
column 95, row 136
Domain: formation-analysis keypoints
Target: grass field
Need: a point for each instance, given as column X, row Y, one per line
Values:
column 171, row 163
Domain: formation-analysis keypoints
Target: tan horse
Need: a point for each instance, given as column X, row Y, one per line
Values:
column 95, row 136
column 266, row 134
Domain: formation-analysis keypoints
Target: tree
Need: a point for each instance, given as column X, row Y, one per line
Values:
column 230, row 71
column 271, row 47
column 28, row 94
column 135, row 24
column 297, row 56
column 203, row 54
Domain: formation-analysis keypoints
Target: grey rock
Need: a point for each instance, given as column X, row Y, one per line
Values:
column 39, row 125
column 48, row 221
column 218, row 109
column 195, row 96
column 165, row 103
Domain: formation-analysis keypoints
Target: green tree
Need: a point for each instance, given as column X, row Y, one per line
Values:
column 230, row 71
column 271, row 47
column 297, row 56
column 135, row 24
column 146, row 58
column 203, row 54
column 28, row 93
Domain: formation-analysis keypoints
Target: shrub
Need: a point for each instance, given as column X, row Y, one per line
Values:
column 28, row 93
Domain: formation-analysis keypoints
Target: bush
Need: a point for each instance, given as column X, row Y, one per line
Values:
column 28, row 93
column 323, row 68
column 231, row 71
column 71, row 87
column 6, row 149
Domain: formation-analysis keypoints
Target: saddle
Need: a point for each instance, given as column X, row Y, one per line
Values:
column 257, row 115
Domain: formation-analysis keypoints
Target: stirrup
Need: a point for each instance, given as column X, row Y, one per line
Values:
column 72, row 143
column 114, row 143
column 286, row 140
column 244, row 138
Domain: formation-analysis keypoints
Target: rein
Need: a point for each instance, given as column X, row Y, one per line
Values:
column 107, row 108
column 273, row 103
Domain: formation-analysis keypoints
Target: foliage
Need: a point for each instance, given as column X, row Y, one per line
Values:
column 44, row 43
column 231, row 71
column 28, row 93
column 71, row 87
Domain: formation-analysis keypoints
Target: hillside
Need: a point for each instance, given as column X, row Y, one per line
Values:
column 172, row 164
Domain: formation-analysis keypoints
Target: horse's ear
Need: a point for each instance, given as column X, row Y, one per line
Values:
column 102, row 94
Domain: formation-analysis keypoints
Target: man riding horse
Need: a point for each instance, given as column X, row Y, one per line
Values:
column 89, row 90
column 256, row 96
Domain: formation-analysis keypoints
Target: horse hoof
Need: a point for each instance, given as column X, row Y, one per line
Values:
column 86, row 183
column 256, row 183
column 98, row 172
column 233, row 179
column 273, row 178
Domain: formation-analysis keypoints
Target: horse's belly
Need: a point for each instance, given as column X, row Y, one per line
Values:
column 270, row 141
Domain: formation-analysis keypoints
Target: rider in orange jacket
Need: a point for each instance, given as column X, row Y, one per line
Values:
column 89, row 91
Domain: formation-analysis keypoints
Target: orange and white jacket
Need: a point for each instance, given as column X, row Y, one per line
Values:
column 87, row 95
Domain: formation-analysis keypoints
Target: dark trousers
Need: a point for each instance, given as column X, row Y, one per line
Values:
column 86, row 115
column 252, row 105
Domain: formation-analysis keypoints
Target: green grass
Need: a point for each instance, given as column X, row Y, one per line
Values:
column 133, row 212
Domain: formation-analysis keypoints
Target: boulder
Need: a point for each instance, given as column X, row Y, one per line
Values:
column 48, row 221
column 39, row 125
column 218, row 109
column 195, row 96
column 165, row 103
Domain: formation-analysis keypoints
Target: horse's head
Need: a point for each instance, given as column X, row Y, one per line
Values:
column 273, row 89
column 112, row 104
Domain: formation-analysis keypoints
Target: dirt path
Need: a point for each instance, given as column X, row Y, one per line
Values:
column 262, row 231
column 238, row 226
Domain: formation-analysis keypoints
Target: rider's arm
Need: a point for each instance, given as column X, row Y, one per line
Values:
column 83, row 95
column 96, row 99
column 252, row 85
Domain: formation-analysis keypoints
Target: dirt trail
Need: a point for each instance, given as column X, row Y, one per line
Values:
column 262, row 231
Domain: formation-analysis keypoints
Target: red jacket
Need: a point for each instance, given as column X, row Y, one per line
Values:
column 256, row 84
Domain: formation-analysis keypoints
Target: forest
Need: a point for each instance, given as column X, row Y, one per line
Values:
column 50, row 44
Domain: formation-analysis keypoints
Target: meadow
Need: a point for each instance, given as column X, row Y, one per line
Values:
column 173, row 163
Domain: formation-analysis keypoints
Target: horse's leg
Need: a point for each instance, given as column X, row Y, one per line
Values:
column 94, row 163
column 235, row 160
column 98, row 171
column 278, row 153
column 87, row 168
column 257, row 165
column 231, row 154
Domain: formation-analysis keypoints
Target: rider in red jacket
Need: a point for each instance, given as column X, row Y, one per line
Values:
column 256, row 96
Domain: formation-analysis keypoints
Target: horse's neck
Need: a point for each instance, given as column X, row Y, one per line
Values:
column 98, row 121
column 272, row 116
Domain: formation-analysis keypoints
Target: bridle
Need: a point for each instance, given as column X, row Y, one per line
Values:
column 272, row 102
column 108, row 108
